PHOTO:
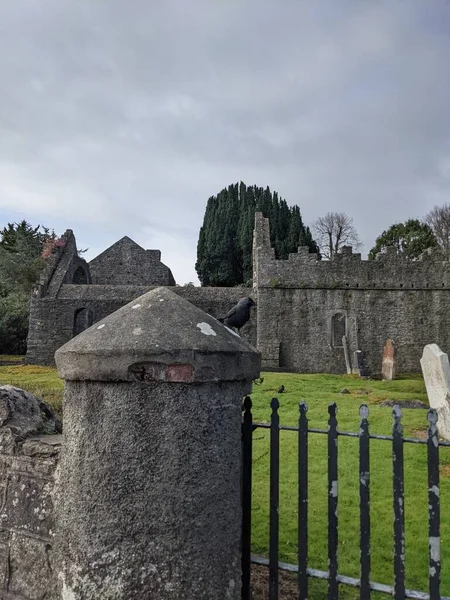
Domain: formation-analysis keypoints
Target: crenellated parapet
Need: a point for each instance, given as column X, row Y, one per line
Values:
column 391, row 270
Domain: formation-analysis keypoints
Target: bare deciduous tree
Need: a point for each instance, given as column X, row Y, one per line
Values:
column 333, row 231
column 439, row 220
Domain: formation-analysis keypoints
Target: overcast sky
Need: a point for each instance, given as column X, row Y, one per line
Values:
column 121, row 117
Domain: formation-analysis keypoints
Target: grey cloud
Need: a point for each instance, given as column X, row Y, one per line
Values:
column 136, row 112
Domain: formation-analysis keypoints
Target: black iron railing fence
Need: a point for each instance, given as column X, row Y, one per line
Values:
column 304, row 572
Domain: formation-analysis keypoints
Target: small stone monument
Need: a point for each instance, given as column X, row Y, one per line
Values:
column 436, row 373
column 361, row 367
column 388, row 364
column 150, row 476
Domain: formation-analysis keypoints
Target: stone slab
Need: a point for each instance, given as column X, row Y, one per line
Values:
column 436, row 373
column 388, row 365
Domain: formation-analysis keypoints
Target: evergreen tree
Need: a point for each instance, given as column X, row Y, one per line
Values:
column 21, row 262
column 225, row 243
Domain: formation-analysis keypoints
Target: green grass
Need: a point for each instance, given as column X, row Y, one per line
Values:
column 319, row 391
column 40, row 381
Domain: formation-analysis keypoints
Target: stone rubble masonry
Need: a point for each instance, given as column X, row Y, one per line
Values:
column 127, row 263
column 28, row 463
column 151, row 471
column 392, row 297
column 301, row 303
column 52, row 319
column 130, row 270
column 436, row 373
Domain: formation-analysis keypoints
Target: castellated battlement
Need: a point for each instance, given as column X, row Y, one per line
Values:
column 346, row 270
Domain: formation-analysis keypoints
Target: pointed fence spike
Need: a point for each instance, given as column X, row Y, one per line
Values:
column 332, row 409
column 303, row 407
column 397, row 412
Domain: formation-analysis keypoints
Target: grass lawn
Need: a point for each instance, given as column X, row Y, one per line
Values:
column 40, row 381
column 319, row 391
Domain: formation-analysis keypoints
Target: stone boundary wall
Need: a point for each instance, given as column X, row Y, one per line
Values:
column 27, row 517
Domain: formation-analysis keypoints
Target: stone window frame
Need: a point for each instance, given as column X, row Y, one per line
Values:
column 331, row 317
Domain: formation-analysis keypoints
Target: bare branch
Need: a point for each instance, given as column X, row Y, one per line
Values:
column 333, row 231
column 439, row 220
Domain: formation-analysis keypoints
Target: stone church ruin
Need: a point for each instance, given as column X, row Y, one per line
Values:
column 310, row 314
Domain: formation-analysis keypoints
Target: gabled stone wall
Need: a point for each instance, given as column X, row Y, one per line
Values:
column 126, row 263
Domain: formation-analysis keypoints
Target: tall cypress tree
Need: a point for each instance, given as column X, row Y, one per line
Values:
column 224, row 249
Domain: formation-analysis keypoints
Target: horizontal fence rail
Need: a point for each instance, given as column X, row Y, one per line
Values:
column 332, row 576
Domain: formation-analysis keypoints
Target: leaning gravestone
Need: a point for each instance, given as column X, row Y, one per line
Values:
column 388, row 364
column 436, row 373
column 346, row 355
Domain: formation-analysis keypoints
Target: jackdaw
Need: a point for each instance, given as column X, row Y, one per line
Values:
column 239, row 314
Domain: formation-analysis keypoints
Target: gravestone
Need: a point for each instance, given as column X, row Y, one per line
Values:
column 388, row 364
column 436, row 373
column 361, row 367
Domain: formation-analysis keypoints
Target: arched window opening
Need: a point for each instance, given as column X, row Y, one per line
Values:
column 80, row 276
column 83, row 319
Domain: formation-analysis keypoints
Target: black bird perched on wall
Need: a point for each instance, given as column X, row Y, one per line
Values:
column 239, row 314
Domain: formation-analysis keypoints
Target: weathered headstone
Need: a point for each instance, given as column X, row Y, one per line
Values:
column 388, row 364
column 436, row 373
column 361, row 367
column 150, row 476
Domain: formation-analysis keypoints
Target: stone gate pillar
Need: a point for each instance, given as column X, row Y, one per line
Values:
column 150, row 474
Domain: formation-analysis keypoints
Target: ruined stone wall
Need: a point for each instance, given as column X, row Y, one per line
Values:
column 52, row 320
column 126, row 263
column 295, row 326
column 305, row 306
column 347, row 270
column 28, row 467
